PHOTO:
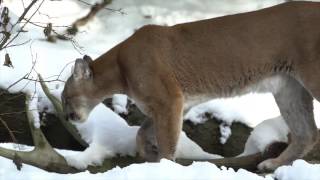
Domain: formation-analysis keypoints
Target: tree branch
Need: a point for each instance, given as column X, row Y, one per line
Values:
column 43, row 156
column 19, row 20
column 6, row 40
column 95, row 8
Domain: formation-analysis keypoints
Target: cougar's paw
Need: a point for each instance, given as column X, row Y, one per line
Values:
column 152, row 153
column 148, row 150
column 268, row 165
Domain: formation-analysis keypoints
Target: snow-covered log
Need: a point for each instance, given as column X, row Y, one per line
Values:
column 57, row 164
column 43, row 155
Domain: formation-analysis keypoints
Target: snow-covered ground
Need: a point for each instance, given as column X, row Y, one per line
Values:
column 168, row 170
column 106, row 132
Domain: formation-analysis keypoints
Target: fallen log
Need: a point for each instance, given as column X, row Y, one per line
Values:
column 44, row 157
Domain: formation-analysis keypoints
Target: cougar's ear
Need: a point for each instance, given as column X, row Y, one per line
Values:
column 87, row 58
column 82, row 70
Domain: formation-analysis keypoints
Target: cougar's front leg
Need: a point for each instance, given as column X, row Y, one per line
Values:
column 168, row 125
column 157, row 138
column 147, row 145
column 296, row 107
column 154, row 88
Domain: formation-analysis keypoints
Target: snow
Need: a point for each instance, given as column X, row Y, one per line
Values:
column 300, row 169
column 225, row 131
column 109, row 135
column 119, row 103
column 106, row 132
column 250, row 109
column 265, row 133
column 204, row 170
column 33, row 107
column 133, row 172
column 175, row 171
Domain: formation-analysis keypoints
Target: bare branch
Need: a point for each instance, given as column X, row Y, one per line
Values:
column 7, row 35
column 95, row 8
column 19, row 44
column 109, row 9
column 43, row 156
column 20, row 19
column 21, row 79
column 26, row 10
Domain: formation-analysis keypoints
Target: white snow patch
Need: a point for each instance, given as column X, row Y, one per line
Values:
column 269, row 131
column 300, row 169
column 119, row 103
column 33, row 108
column 175, row 171
column 250, row 109
column 108, row 134
column 187, row 149
column 225, row 132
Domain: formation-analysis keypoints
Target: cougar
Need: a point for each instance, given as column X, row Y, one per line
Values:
column 166, row 70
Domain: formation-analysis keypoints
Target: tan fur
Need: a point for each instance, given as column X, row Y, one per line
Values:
column 275, row 49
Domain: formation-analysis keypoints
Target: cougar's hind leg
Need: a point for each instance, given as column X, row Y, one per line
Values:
column 296, row 107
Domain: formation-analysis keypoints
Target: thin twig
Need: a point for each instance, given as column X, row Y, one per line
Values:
column 11, row 98
column 19, row 44
column 17, row 112
column 24, row 7
column 120, row 10
column 20, row 19
column 47, row 81
column 26, row 10
column 9, row 131
column 7, row 35
column 45, row 23
column 20, row 79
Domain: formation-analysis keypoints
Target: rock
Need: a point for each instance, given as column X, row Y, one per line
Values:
column 12, row 112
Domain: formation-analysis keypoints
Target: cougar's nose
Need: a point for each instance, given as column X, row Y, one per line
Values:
column 72, row 116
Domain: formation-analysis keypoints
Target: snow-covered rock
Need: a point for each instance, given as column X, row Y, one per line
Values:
column 265, row 133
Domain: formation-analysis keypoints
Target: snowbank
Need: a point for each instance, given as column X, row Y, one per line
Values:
column 163, row 170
